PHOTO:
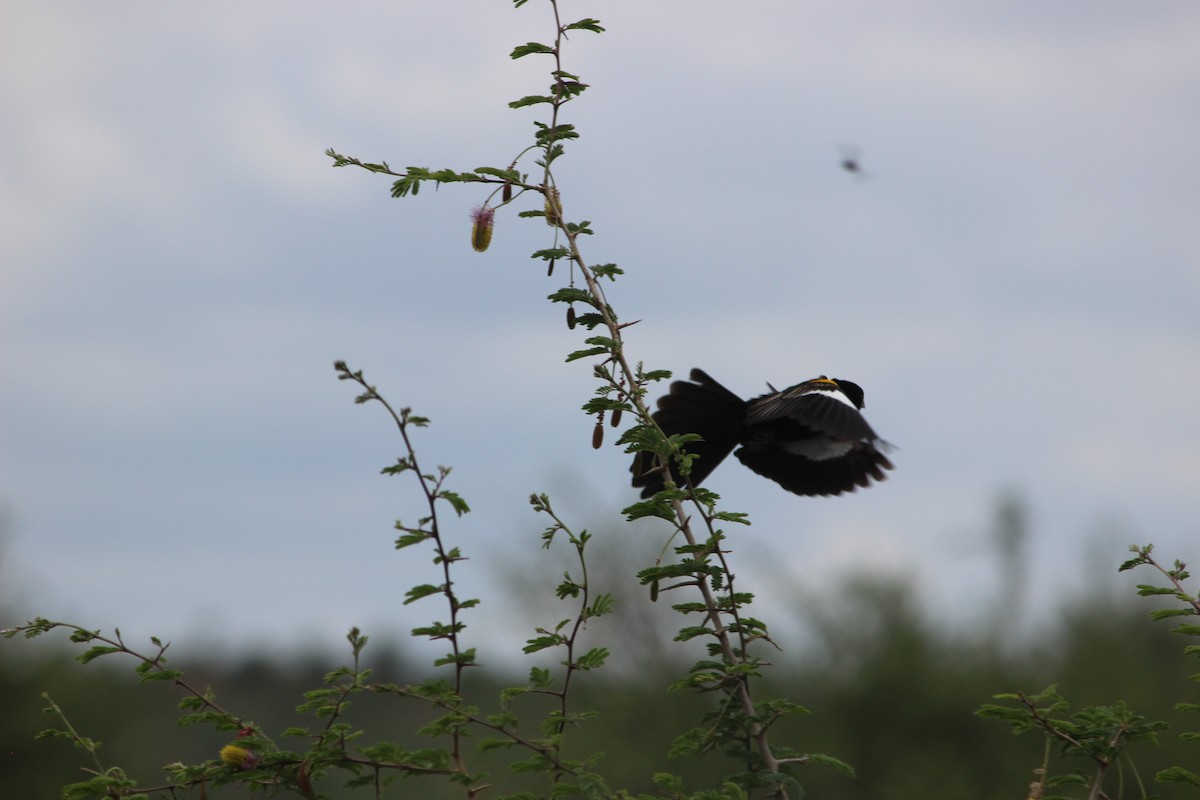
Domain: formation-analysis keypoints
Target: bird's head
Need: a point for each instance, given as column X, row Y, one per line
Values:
column 852, row 391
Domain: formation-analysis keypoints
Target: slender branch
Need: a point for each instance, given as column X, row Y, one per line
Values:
column 432, row 491
column 757, row 731
column 585, row 596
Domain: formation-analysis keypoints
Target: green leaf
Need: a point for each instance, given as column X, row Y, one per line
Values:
column 587, row 353
column 610, row 271
column 409, row 539
column 603, row 604
column 541, row 643
column 691, row 632
column 657, row 506
column 593, row 658
column 530, row 48
column 1178, row 775
column 587, row 24
column 417, row 592
column 598, row 404
column 96, row 652
column 548, row 134
column 161, row 675
column 504, row 174
column 530, row 100
column 438, row 630
column 191, row 703
column 1145, row 590
column 830, row 761
column 457, row 503
column 55, row 733
column 571, row 295
column 1165, row 613
column 487, row 745
column 466, row 658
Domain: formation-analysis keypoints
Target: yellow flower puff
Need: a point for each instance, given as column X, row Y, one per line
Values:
column 239, row 757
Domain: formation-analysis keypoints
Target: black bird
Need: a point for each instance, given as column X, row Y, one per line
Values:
column 809, row 438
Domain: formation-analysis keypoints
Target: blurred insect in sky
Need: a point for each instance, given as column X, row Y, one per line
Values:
column 852, row 161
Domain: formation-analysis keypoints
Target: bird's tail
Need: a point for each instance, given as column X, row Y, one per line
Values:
column 703, row 407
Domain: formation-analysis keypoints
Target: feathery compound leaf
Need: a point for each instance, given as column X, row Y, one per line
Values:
column 410, row 539
column 1165, row 613
column 571, row 295
column 504, row 174
column 610, row 271
column 830, row 761
column 587, row 24
column 1178, row 775
column 1145, row 590
column 530, row 48
column 95, row 653
column 457, row 503
column 541, row 643
column 591, row 351
column 417, row 592
column 593, row 658
column 530, row 100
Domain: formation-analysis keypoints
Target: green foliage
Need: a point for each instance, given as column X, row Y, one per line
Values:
column 1100, row 736
column 1097, row 734
column 1189, row 606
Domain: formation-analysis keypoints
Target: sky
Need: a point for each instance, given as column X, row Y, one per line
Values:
column 1014, row 282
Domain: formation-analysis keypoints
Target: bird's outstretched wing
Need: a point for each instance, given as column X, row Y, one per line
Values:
column 826, row 406
column 812, row 440
column 805, row 476
column 703, row 407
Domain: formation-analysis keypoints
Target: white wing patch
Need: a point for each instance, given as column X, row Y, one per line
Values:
column 836, row 394
column 818, row 448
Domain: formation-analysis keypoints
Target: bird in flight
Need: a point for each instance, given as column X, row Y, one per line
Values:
column 810, row 438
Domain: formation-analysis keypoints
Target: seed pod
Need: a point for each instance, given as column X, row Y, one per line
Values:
column 571, row 317
column 506, row 192
column 598, row 433
column 616, row 417
column 550, row 269
column 654, row 592
column 553, row 207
